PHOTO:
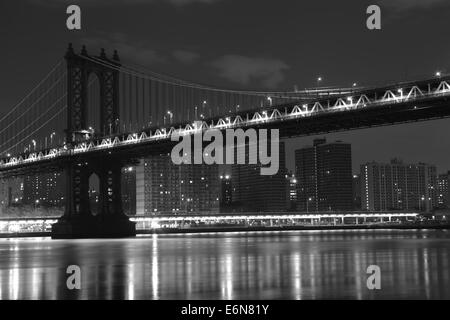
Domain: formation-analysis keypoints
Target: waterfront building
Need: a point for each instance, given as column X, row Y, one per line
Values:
column 46, row 189
column 398, row 186
column 443, row 190
column 11, row 192
column 166, row 188
column 324, row 176
column 254, row 192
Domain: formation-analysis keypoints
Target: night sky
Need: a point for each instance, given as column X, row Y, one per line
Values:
column 249, row 44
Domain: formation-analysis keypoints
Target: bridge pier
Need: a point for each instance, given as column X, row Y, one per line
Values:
column 78, row 221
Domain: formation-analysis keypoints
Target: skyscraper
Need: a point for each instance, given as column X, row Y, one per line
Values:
column 11, row 192
column 44, row 189
column 398, row 186
column 166, row 188
column 324, row 176
column 259, row 193
column 443, row 190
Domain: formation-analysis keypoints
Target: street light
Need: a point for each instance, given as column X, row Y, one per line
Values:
column 170, row 114
column 319, row 80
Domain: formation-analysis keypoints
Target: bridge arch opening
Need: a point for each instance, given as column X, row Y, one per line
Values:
column 93, row 104
column 94, row 194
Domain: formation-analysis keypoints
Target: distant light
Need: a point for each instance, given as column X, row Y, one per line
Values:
column 319, row 79
column 438, row 74
column 355, row 84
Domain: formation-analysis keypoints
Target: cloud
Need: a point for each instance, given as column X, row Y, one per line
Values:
column 184, row 56
column 243, row 70
column 138, row 53
column 120, row 2
column 403, row 5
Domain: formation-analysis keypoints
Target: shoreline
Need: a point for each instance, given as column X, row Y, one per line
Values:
column 253, row 229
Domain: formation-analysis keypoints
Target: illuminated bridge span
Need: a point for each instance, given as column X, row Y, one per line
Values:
column 96, row 115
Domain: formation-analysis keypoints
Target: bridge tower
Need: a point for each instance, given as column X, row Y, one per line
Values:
column 78, row 221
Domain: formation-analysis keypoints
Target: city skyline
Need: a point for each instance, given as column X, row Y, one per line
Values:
column 155, row 186
column 234, row 150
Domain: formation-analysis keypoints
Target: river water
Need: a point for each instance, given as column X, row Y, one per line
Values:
column 244, row 265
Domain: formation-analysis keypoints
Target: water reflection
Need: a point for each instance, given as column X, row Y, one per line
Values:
column 279, row 265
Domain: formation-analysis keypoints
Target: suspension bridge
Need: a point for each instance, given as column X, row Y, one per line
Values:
column 94, row 114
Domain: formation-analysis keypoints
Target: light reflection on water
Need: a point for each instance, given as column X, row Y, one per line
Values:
column 256, row 265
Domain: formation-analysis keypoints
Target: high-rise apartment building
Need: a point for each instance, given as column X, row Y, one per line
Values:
column 166, row 188
column 254, row 192
column 398, row 186
column 324, row 176
column 443, row 196
column 44, row 189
